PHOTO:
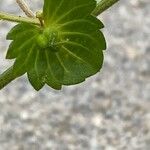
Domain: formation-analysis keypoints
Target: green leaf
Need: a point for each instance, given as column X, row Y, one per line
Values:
column 67, row 50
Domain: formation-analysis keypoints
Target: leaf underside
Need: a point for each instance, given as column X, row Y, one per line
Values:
column 67, row 50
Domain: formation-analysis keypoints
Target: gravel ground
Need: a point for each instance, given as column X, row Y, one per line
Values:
column 109, row 111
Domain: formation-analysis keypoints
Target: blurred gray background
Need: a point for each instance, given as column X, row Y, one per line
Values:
column 110, row 111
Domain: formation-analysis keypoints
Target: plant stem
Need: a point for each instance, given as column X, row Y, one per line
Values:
column 103, row 5
column 23, row 5
column 8, row 75
column 13, row 18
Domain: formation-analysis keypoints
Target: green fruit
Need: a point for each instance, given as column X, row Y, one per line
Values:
column 42, row 41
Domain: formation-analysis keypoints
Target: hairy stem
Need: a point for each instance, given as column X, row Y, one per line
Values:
column 13, row 18
column 23, row 5
column 8, row 75
column 103, row 5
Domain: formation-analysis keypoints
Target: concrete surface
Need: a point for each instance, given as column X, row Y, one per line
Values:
column 110, row 111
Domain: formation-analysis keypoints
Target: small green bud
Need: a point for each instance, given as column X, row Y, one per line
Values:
column 42, row 41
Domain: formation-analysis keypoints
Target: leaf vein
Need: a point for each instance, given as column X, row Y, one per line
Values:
column 75, row 56
column 67, row 13
column 74, row 21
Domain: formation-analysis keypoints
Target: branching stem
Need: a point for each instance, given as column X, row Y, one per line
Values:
column 8, row 75
column 101, row 7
